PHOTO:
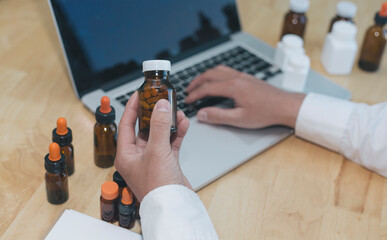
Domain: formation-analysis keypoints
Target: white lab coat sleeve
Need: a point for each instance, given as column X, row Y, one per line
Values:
column 175, row 212
column 357, row 131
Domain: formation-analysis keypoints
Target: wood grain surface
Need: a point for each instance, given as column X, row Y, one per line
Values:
column 295, row 190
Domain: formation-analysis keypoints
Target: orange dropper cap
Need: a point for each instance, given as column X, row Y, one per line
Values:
column 105, row 105
column 109, row 190
column 127, row 197
column 383, row 10
column 54, row 152
column 61, row 126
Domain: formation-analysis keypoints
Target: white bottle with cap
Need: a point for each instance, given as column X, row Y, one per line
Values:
column 340, row 48
column 290, row 44
column 296, row 72
column 346, row 10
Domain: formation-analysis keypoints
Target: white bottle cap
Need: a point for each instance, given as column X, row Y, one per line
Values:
column 299, row 61
column 346, row 9
column 344, row 30
column 292, row 41
column 154, row 65
column 299, row 6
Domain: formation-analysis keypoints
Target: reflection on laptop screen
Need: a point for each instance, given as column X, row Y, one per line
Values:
column 107, row 39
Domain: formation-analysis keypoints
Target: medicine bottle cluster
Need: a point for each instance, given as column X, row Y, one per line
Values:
column 340, row 47
column 59, row 163
column 117, row 203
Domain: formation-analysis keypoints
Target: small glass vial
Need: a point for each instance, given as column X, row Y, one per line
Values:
column 340, row 47
column 374, row 42
column 155, row 87
column 289, row 45
column 127, row 209
column 63, row 136
column 295, row 19
column 346, row 10
column 105, row 133
column 56, row 176
column 108, row 200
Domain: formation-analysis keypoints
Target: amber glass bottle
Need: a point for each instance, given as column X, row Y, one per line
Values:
column 63, row 136
column 155, row 87
column 374, row 42
column 127, row 209
column 105, row 131
column 295, row 19
column 346, row 10
column 109, row 196
column 56, row 176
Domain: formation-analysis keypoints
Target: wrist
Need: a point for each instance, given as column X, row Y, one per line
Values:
column 289, row 108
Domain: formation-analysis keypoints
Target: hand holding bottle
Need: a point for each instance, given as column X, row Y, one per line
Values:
column 147, row 163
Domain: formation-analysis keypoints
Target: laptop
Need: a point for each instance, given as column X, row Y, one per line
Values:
column 104, row 43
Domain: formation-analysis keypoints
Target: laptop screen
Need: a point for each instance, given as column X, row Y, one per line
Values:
column 106, row 41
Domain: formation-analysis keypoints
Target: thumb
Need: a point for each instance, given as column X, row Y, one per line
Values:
column 160, row 124
column 216, row 115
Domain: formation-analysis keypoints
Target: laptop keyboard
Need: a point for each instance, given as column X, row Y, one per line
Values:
column 237, row 58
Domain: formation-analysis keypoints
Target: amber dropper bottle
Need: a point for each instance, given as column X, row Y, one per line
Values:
column 63, row 136
column 109, row 195
column 374, row 42
column 105, row 131
column 56, row 176
column 127, row 209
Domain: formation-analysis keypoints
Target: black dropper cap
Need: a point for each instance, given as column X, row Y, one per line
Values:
column 381, row 15
column 380, row 19
column 119, row 179
column 54, row 165
column 105, row 113
column 62, row 135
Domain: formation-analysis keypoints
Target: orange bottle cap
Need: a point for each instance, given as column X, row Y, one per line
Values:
column 127, row 197
column 54, row 152
column 61, row 126
column 109, row 190
column 383, row 10
column 105, row 105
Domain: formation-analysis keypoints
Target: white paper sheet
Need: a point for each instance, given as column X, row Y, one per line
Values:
column 75, row 225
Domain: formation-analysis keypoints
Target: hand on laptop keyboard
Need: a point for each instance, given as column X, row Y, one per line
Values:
column 257, row 103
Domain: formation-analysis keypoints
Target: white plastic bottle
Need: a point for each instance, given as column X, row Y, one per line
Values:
column 340, row 48
column 296, row 72
column 290, row 44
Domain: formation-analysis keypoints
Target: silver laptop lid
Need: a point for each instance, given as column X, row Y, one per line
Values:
column 105, row 41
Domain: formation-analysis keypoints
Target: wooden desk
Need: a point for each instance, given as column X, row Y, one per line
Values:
column 295, row 190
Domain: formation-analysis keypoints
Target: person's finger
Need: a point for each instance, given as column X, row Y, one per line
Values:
column 218, row 89
column 217, row 115
column 182, row 128
column 160, row 124
column 126, row 128
column 218, row 73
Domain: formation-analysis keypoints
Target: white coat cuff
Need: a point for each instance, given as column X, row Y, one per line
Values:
column 323, row 119
column 175, row 212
